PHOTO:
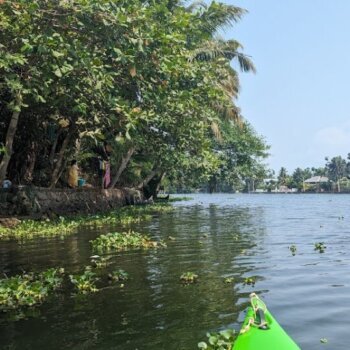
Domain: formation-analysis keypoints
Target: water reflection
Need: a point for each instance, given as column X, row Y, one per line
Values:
column 154, row 310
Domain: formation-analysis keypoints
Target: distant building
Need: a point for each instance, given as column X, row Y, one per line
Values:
column 317, row 180
column 316, row 183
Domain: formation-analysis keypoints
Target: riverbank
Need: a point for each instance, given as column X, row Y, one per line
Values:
column 38, row 202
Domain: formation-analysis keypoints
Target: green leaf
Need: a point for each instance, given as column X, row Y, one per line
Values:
column 57, row 54
column 58, row 73
column 213, row 340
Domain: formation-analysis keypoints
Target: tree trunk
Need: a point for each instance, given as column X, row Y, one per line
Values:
column 53, row 148
column 11, row 131
column 58, row 166
column 149, row 177
column 30, row 163
column 123, row 164
column 157, row 185
column 151, row 189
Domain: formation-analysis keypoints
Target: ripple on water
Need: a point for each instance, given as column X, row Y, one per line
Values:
column 215, row 237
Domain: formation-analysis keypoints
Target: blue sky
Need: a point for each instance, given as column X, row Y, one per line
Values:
column 299, row 100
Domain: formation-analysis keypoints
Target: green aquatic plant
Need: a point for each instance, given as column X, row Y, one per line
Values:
column 180, row 199
column 29, row 289
column 100, row 262
column 29, row 229
column 86, row 282
column 320, row 247
column 293, row 249
column 229, row 280
column 250, row 281
column 118, row 275
column 188, row 277
column 122, row 216
column 124, row 240
column 222, row 340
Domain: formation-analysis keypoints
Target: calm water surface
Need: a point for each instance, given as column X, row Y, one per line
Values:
column 216, row 236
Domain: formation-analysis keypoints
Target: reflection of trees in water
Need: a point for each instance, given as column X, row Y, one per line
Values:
column 209, row 242
column 38, row 254
column 154, row 310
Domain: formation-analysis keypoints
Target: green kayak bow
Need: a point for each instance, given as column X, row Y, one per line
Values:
column 260, row 331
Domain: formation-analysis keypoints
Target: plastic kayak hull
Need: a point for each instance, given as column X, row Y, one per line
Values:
column 273, row 337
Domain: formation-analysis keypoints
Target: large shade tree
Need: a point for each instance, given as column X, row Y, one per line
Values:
column 151, row 79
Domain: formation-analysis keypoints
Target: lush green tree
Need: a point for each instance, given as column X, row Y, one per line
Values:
column 320, row 171
column 151, row 79
column 283, row 177
column 336, row 169
column 299, row 176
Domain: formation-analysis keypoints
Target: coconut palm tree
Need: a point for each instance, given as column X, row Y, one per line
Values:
column 214, row 49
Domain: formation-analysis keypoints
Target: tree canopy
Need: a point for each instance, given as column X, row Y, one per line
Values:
column 152, row 79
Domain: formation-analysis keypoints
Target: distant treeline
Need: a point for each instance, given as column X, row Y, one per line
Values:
column 336, row 169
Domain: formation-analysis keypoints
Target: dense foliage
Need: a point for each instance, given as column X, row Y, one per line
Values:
column 151, row 79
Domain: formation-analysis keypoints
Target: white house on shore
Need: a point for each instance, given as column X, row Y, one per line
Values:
column 317, row 180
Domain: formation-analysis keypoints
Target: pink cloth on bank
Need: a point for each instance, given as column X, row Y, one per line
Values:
column 107, row 177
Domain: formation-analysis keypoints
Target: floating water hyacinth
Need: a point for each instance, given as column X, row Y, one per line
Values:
column 188, row 277
column 293, row 249
column 29, row 289
column 250, row 281
column 124, row 240
column 86, row 282
column 29, row 229
column 118, row 275
column 222, row 340
column 320, row 247
column 229, row 280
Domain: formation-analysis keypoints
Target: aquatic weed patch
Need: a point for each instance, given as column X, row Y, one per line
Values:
column 30, row 229
column 28, row 289
column 149, row 209
column 179, row 199
column 320, row 247
column 100, row 262
column 122, row 217
column 86, row 282
column 118, row 275
column 250, row 281
column 188, row 277
column 293, row 249
column 229, row 280
column 124, row 240
column 222, row 340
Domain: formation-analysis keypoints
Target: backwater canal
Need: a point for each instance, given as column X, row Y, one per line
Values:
column 214, row 236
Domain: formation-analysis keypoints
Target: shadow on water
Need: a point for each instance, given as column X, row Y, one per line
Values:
column 154, row 310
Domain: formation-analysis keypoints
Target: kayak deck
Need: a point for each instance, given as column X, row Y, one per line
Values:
column 260, row 331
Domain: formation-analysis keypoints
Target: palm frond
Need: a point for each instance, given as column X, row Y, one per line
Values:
column 245, row 63
column 219, row 15
column 214, row 49
column 196, row 5
column 230, row 113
